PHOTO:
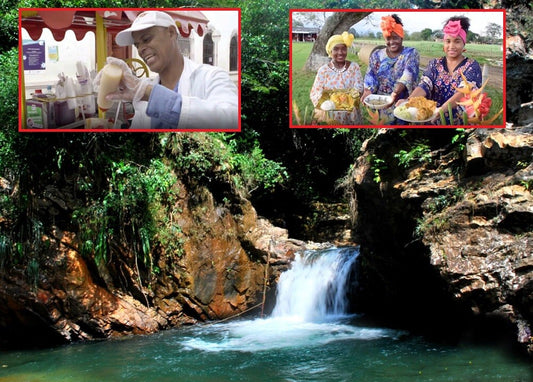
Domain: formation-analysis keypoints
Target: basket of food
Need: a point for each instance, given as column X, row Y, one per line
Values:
column 339, row 100
column 416, row 110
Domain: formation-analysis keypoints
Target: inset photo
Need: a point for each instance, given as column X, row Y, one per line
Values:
column 129, row 70
column 397, row 68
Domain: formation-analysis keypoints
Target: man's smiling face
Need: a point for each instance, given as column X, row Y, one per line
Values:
column 155, row 46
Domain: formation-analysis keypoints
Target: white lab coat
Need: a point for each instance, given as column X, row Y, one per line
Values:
column 209, row 100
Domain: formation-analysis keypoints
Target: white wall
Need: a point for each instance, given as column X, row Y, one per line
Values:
column 70, row 51
column 223, row 24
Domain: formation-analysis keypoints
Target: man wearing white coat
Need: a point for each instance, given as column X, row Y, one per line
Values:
column 184, row 95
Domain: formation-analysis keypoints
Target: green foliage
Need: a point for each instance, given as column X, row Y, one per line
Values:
column 433, row 221
column 264, row 66
column 8, row 97
column 420, row 153
column 440, row 202
column 5, row 251
column 431, row 225
column 527, row 184
column 129, row 210
column 21, row 245
column 447, row 4
column 136, row 206
column 459, row 139
column 256, row 170
column 377, row 165
column 32, row 272
column 223, row 158
column 426, row 34
column 521, row 164
column 8, row 25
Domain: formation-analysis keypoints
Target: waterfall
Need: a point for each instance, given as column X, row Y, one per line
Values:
column 311, row 310
column 314, row 288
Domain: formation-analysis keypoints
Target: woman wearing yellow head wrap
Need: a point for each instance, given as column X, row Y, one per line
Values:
column 392, row 70
column 344, row 38
column 338, row 74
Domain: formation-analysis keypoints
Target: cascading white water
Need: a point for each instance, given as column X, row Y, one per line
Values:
column 302, row 341
column 314, row 289
column 310, row 310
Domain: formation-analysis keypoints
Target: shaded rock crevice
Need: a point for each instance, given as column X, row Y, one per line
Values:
column 442, row 242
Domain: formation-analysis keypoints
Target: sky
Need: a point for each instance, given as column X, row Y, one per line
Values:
column 416, row 20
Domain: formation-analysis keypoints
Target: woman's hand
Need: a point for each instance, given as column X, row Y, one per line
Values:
column 400, row 101
column 366, row 93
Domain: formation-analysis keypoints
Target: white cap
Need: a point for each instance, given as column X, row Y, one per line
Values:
column 143, row 21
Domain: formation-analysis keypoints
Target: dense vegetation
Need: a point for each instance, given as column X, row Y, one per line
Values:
column 119, row 183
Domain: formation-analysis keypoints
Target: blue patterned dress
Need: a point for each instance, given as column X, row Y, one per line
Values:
column 384, row 72
column 439, row 84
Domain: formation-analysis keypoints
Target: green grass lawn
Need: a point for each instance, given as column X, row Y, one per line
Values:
column 302, row 80
column 483, row 53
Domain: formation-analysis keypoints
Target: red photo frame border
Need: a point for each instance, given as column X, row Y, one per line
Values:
column 84, row 130
column 399, row 11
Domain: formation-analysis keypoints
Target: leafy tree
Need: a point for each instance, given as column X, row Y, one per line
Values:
column 337, row 23
column 449, row 4
column 426, row 34
column 8, row 25
column 493, row 32
column 8, row 108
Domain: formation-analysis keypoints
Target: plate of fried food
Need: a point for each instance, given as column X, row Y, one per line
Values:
column 416, row 110
column 378, row 101
column 339, row 100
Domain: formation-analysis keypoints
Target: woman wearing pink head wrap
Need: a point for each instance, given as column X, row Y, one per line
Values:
column 443, row 75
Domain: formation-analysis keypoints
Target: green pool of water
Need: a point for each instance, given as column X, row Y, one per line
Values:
column 308, row 337
column 268, row 350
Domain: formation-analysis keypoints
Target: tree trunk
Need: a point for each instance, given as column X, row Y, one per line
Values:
column 335, row 24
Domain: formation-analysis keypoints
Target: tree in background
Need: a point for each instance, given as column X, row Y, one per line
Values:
column 493, row 32
column 337, row 23
column 426, row 34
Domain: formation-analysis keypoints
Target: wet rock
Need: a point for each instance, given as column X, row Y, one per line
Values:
column 516, row 45
column 228, row 256
column 466, row 221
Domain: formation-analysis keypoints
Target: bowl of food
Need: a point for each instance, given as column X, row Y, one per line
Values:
column 416, row 110
column 378, row 101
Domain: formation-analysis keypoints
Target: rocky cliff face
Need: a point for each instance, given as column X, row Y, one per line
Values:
column 229, row 253
column 448, row 237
